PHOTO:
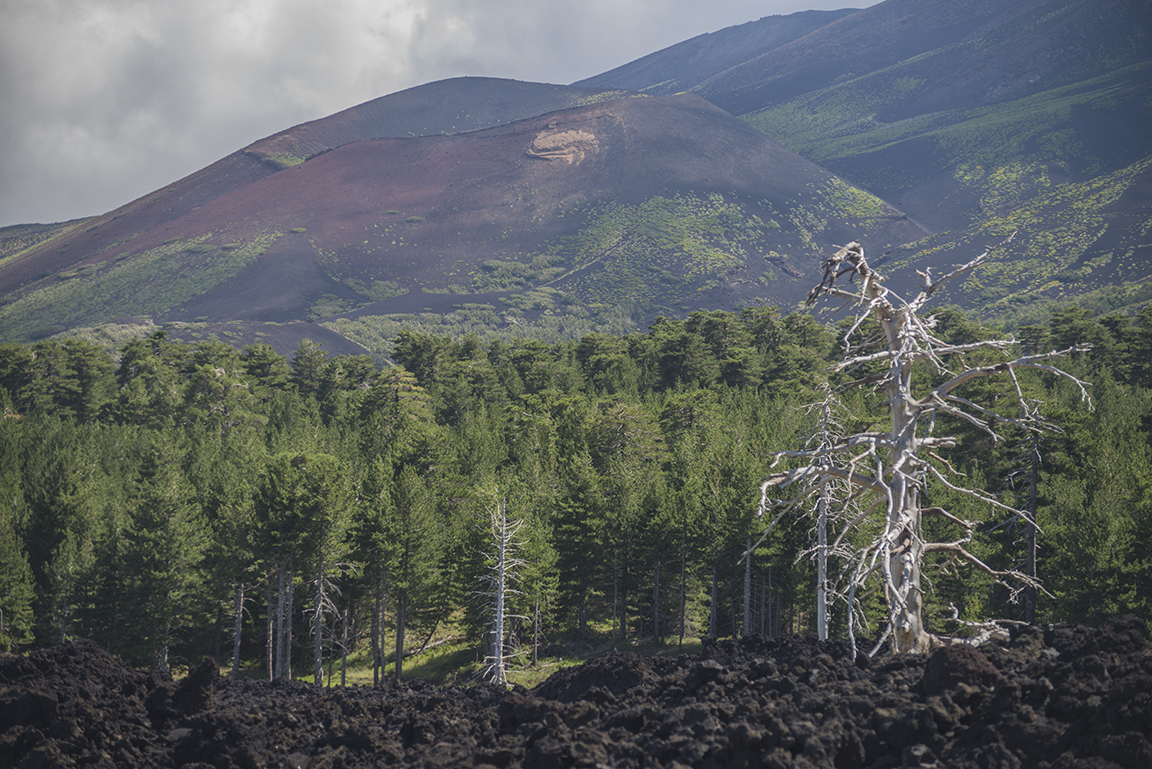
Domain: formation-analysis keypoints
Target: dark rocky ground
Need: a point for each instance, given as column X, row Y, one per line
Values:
column 1059, row 696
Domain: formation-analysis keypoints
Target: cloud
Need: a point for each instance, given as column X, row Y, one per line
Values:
column 107, row 100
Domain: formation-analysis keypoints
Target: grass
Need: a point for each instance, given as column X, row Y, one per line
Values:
column 1055, row 255
column 146, row 284
column 458, row 663
column 285, row 159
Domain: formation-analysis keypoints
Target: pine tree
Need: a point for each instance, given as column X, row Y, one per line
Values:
column 16, row 583
column 163, row 553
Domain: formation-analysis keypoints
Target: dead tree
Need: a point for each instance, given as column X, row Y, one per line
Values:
column 502, row 565
column 833, row 504
column 888, row 469
column 826, row 437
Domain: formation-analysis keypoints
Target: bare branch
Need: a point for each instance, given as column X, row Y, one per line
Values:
column 966, row 268
column 894, row 465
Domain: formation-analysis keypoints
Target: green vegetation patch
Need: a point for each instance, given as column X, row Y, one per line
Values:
column 285, row 159
column 659, row 249
column 377, row 332
column 329, row 305
column 377, row 290
column 144, row 284
column 1055, row 253
column 502, row 275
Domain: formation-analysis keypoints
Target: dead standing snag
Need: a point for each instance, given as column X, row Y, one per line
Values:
column 893, row 466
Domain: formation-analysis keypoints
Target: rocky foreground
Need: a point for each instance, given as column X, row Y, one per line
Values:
column 1059, row 696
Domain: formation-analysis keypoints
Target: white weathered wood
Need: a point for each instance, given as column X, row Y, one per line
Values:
column 894, row 464
column 502, row 568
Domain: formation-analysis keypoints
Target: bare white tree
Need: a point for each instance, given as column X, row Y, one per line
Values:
column 502, row 565
column 834, row 503
column 888, row 469
column 828, row 435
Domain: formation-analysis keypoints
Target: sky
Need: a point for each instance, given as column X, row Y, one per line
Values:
column 103, row 101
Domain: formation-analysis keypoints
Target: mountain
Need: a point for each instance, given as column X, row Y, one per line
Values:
column 976, row 118
column 605, row 202
column 684, row 66
column 710, row 175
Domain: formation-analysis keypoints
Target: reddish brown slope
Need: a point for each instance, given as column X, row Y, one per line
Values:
column 426, row 212
column 601, row 193
column 442, row 107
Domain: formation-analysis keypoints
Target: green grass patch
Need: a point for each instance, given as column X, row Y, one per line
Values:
column 146, row 284
column 285, row 159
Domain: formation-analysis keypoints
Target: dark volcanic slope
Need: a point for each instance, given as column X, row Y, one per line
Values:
column 976, row 52
column 1061, row 696
column 903, row 69
column 685, row 65
column 443, row 107
column 656, row 201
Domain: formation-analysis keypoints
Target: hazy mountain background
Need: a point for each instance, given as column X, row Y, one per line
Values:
column 709, row 175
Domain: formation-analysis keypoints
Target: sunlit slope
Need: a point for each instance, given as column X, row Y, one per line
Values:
column 972, row 117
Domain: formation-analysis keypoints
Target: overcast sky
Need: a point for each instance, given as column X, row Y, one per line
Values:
column 102, row 101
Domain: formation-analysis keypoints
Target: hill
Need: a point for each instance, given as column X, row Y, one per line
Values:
column 644, row 205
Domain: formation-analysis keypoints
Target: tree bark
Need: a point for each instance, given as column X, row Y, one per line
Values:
column 615, row 605
column 239, row 627
column 656, row 606
column 318, row 630
column 683, row 590
column 374, row 638
column 536, row 627
column 280, row 635
column 747, row 629
column 288, row 619
column 713, row 607
column 401, row 610
column 344, row 651
column 377, row 629
column 271, row 634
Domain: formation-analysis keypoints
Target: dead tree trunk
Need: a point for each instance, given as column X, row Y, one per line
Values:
column 344, row 650
column 318, row 628
column 502, row 566
column 401, row 606
column 683, row 591
column 1030, row 518
column 747, row 629
column 271, row 635
column 281, row 611
column 377, row 629
column 712, row 609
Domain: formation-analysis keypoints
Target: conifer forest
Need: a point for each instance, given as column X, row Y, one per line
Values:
column 174, row 501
